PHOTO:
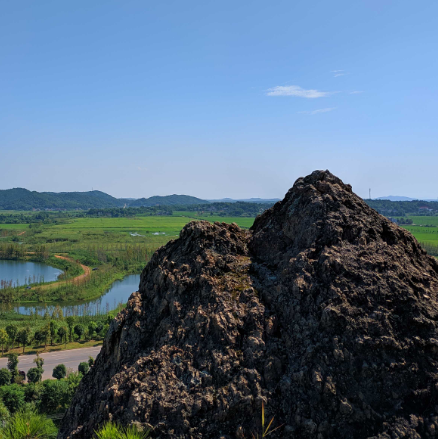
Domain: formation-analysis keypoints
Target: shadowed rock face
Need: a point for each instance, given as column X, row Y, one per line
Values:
column 325, row 311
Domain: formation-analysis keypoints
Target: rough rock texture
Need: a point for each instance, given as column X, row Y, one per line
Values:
column 324, row 310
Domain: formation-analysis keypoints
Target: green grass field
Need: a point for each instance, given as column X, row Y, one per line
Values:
column 243, row 222
column 425, row 220
column 425, row 230
column 424, row 234
column 14, row 226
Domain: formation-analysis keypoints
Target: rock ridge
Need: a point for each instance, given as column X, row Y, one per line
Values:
column 324, row 311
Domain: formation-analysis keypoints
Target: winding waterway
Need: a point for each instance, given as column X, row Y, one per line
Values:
column 119, row 291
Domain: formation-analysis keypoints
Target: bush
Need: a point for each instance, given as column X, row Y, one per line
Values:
column 79, row 331
column 73, row 380
column 90, row 361
column 13, row 397
column 60, row 371
column 32, row 392
column 4, row 415
column 29, row 424
column 34, row 375
column 83, row 367
column 55, row 396
column 5, row 376
column 12, row 364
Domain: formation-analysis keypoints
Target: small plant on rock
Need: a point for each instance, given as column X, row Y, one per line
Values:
column 113, row 431
column 265, row 431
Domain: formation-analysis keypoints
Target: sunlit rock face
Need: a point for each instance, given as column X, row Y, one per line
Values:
column 324, row 311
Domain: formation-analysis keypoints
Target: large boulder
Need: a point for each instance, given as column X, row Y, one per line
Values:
column 324, row 312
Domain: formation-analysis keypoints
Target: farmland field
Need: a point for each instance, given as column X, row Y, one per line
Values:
column 14, row 226
column 424, row 234
column 244, row 222
column 425, row 230
column 425, row 220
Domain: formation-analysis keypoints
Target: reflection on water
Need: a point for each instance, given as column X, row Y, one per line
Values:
column 119, row 292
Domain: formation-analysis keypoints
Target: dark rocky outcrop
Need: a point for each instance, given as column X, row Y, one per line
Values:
column 325, row 311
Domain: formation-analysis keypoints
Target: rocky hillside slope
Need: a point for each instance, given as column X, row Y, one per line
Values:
column 325, row 311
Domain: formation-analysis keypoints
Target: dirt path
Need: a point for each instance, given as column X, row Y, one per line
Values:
column 21, row 233
column 87, row 270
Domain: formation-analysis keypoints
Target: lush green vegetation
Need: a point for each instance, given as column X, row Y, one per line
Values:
column 25, row 407
column 27, row 410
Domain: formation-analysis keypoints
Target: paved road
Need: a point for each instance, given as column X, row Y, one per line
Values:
column 71, row 358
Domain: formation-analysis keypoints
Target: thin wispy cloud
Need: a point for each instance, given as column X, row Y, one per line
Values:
column 337, row 73
column 295, row 90
column 320, row 110
column 356, row 92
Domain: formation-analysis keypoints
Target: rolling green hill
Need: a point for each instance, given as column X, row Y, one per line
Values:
column 168, row 200
column 23, row 199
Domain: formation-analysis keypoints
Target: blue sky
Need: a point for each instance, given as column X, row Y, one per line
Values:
column 218, row 99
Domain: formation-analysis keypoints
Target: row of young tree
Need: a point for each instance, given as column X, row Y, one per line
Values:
column 11, row 374
column 51, row 332
column 10, row 250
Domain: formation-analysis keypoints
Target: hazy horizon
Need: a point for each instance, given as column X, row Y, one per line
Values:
column 218, row 100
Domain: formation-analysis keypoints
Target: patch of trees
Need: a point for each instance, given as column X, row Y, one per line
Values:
column 239, row 208
column 402, row 208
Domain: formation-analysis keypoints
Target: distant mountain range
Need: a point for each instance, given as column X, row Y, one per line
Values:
column 168, row 200
column 246, row 200
column 23, row 199
column 401, row 198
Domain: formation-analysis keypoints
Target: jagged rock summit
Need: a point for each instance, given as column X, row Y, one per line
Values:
column 325, row 311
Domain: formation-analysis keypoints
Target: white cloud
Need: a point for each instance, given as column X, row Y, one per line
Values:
column 295, row 90
column 320, row 110
column 356, row 92
column 338, row 73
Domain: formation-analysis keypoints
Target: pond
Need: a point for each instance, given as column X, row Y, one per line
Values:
column 118, row 293
column 25, row 272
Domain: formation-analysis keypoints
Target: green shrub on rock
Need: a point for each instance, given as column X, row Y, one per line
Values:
column 29, row 424
column 113, row 431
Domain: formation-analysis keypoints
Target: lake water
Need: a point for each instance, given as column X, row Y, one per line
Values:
column 27, row 272
column 119, row 291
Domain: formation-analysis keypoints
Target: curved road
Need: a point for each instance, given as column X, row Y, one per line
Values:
column 71, row 358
